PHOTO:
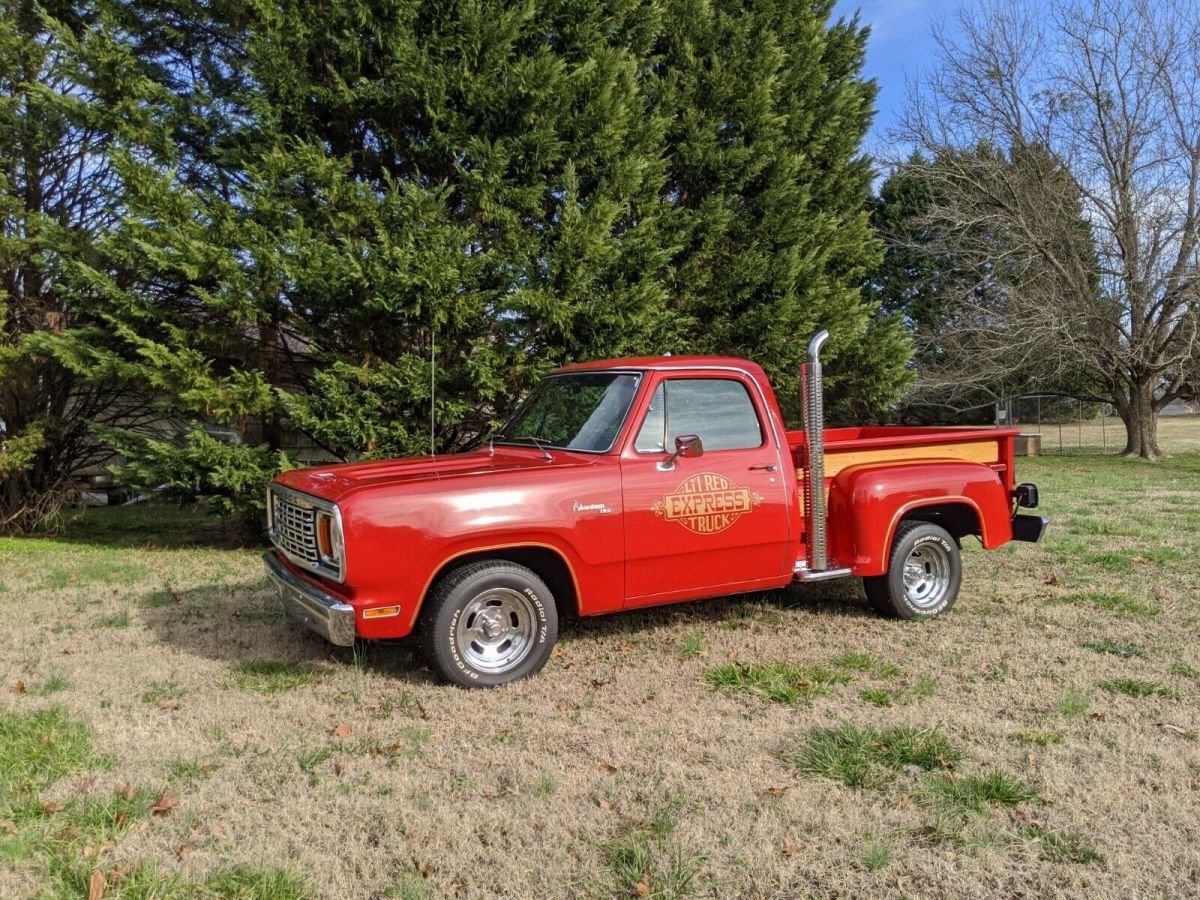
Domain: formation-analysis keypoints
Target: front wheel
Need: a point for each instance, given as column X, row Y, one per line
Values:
column 489, row 623
column 924, row 573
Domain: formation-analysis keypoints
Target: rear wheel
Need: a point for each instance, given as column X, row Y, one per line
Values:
column 489, row 623
column 924, row 573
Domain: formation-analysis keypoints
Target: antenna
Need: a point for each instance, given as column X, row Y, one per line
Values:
column 432, row 387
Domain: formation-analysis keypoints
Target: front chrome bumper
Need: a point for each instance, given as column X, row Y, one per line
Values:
column 324, row 614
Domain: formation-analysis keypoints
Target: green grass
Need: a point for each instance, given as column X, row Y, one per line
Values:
column 1113, row 601
column 647, row 860
column 147, row 881
column 36, row 750
column 876, row 854
column 96, row 567
column 118, row 619
column 1115, row 648
column 780, row 682
column 1183, row 670
column 160, row 691
column 411, row 886
column 1063, row 846
column 255, row 883
column 411, row 743
column 691, row 645
column 975, row 793
column 859, row 661
column 1137, row 688
column 920, row 689
column 1071, row 705
column 868, row 757
column 1038, row 738
column 54, row 683
column 271, row 676
column 190, row 770
column 543, row 787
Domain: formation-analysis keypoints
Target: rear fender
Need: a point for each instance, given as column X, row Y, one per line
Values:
column 867, row 503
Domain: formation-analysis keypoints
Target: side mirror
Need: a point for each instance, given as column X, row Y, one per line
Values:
column 689, row 446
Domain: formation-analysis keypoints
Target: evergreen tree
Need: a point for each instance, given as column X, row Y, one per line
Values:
column 766, row 192
column 365, row 203
column 66, row 88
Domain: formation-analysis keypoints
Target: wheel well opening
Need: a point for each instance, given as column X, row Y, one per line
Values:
column 960, row 519
column 548, row 565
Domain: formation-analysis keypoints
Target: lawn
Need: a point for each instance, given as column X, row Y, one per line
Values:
column 165, row 731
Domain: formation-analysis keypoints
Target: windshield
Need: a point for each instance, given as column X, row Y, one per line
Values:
column 573, row 412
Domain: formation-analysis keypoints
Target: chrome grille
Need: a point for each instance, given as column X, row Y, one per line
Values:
column 294, row 528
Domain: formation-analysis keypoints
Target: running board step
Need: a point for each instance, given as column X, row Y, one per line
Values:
column 804, row 573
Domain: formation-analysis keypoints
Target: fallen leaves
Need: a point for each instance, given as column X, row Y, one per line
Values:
column 91, row 851
column 340, row 730
column 7, row 827
column 423, row 869
column 642, row 888
column 609, row 768
column 790, row 848
column 164, row 804
column 96, row 886
column 49, row 807
column 18, row 687
column 775, row 791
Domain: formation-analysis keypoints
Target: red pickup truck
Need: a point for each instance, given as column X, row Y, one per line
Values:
column 632, row 483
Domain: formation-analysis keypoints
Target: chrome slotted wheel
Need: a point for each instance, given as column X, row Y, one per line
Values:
column 496, row 630
column 927, row 575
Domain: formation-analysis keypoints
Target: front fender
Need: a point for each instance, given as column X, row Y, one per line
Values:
column 868, row 502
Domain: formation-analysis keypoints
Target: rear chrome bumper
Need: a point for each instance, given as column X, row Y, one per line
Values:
column 1029, row 528
column 323, row 613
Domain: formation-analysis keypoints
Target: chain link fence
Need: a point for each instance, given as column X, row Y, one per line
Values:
column 1065, row 424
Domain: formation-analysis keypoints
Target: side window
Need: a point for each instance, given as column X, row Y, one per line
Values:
column 718, row 409
column 650, row 438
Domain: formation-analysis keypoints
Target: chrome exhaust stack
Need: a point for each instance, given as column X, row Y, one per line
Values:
column 813, row 402
column 816, row 566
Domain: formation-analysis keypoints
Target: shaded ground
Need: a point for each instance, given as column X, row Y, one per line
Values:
column 696, row 750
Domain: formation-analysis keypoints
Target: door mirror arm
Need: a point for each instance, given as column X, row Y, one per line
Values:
column 687, row 446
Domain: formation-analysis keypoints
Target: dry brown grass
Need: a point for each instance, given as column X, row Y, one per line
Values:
column 621, row 764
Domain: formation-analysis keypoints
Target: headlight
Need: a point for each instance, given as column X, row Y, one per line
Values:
column 330, row 543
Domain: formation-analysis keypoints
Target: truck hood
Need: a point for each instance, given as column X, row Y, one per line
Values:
column 336, row 482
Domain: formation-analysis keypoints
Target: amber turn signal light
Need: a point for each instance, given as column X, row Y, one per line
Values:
column 381, row 612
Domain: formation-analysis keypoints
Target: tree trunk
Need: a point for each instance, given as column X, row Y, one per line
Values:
column 1140, row 415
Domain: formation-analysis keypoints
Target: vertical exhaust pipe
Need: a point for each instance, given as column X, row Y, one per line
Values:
column 814, row 479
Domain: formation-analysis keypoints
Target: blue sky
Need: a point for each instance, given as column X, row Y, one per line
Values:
column 900, row 46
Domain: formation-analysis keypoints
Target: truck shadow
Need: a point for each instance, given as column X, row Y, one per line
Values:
column 243, row 622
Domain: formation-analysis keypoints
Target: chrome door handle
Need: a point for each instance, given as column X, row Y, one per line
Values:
column 770, row 467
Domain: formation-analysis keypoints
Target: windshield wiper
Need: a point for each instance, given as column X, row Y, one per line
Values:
column 537, row 442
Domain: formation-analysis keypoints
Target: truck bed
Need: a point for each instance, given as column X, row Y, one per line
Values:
column 845, row 447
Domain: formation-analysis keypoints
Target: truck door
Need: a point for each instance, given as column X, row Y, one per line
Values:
column 707, row 525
